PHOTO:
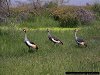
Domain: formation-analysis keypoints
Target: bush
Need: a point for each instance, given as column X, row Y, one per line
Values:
column 72, row 16
column 96, row 8
column 68, row 20
column 85, row 16
column 50, row 4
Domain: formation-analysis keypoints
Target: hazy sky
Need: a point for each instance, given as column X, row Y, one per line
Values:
column 71, row 2
column 79, row 2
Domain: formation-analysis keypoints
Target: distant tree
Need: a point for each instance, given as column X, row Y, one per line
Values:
column 36, row 3
column 4, row 6
column 4, row 9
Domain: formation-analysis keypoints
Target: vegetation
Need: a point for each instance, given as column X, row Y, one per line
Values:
column 50, row 58
column 71, row 16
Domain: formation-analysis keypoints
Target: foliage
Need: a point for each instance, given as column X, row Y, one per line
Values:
column 40, row 21
column 72, row 15
column 85, row 16
column 50, row 4
column 67, row 16
column 68, row 20
column 96, row 7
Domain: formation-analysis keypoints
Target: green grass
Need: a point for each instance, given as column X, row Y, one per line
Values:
column 40, row 22
column 50, row 59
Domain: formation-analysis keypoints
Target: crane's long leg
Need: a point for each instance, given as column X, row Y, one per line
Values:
column 29, row 49
column 85, row 45
column 36, row 50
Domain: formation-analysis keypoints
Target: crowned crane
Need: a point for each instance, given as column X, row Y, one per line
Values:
column 79, row 41
column 54, row 39
column 29, row 43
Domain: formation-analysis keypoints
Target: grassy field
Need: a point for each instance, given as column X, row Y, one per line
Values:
column 50, row 59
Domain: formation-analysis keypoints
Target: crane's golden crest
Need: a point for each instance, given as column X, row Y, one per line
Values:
column 76, row 30
column 24, row 30
column 48, row 30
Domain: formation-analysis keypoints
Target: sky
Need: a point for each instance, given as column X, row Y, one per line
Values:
column 71, row 2
column 79, row 2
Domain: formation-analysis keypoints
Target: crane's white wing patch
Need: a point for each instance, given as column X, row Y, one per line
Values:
column 29, row 43
column 82, row 43
column 33, row 46
column 55, row 40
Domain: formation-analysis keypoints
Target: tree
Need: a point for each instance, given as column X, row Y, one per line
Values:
column 36, row 3
column 4, row 7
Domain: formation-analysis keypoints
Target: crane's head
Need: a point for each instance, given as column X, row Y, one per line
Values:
column 48, row 30
column 76, row 30
column 24, row 30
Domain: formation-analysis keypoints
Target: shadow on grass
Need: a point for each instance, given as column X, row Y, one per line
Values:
column 76, row 46
column 96, row 37
column 32, row 51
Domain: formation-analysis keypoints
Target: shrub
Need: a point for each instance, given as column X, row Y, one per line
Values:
column 68, row 20
column 57, row 12
column 24, row 16
column 85, row 16
column 71, row 16
column 50, row 4
column 96, row 8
